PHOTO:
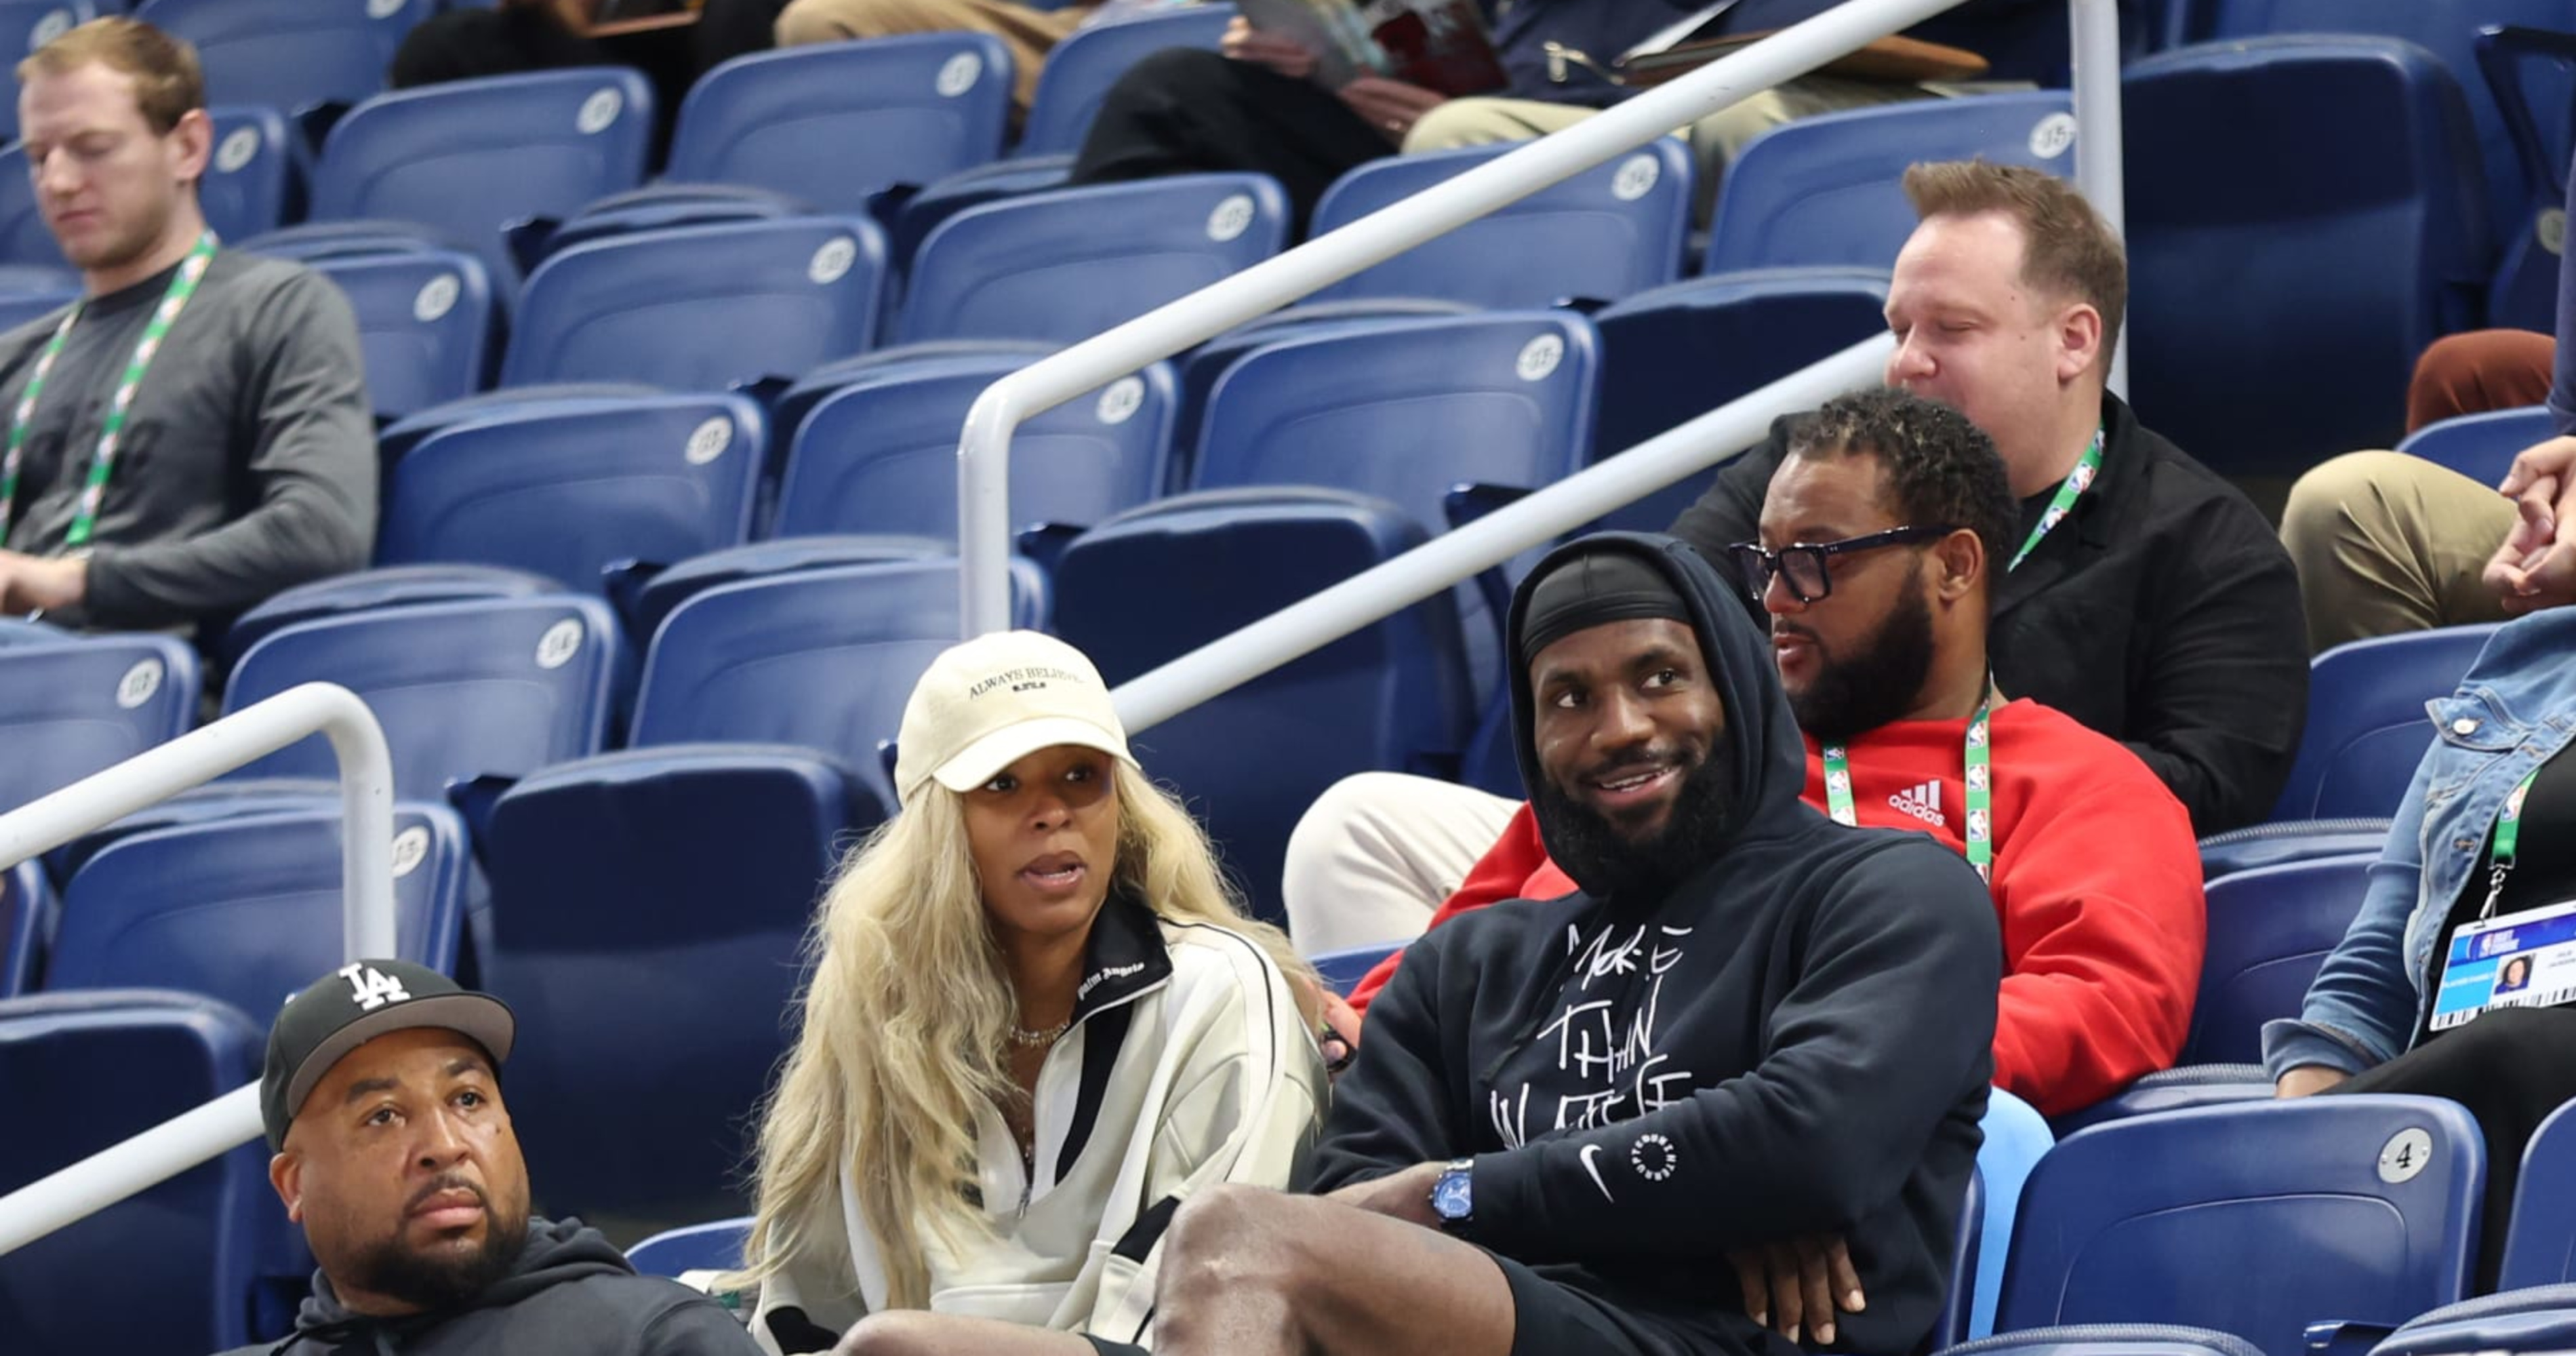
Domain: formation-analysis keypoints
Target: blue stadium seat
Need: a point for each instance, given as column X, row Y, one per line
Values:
column 1202, row 366
column 2482, row 446
column 880, row 456
column 840, row 122
column 2016, row 1138
column 27, row 914
column 191, row 1244
column 70, row 710
column 1611, row 231
column 1065, row 265
column 1159, row 581
column 16, row 631
column 2269, row 931
column 26, row 25
column 2366, row 729
column 2225, row 854
column 425, row 323
column 647, row 606
column 2540, row 1241
column 498, row 687
column 251, row 175
column 574, row 495
column 1501, row 400
column 248, row 909
column 313, row 241
column 661, row 207
column 2254, row 1220
column 1828, row 189
column 470, row 158
column 1344, row 969
column 2244, row 224
column 1675, row 353
column 515, row 402
column 372, row 591
column 2532, row 75
column 2115, row 1339
column 2193, row 1085
column 1075, row 78
column 24, row 241
column 29, row 304
column 823, row 658
column 615, row 929
column 2448, row 30
column 700, row 307
column 2542, row 1319
column 291, row 55
column 715, row 1246
column 788, row 410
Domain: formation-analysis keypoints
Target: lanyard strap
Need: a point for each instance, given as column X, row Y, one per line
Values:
column 1980, row 781
column 2508, row 833
column 2077, row 481
column 102, row 461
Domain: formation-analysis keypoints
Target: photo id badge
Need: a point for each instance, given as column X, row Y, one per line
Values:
column 2521, row 960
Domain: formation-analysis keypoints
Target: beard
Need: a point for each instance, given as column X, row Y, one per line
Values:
column 1611, row 864
column 1851, row 696
column 445, row 1279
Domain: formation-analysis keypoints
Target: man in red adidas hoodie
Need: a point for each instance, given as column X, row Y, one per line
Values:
column 1873, row 564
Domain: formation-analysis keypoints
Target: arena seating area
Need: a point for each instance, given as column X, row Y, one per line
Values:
column 669, row 517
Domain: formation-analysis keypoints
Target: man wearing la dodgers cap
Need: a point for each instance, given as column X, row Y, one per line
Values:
column 381, row 1096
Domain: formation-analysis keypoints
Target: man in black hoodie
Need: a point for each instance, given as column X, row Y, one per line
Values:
column 1750, row 1026
column 382, row 1099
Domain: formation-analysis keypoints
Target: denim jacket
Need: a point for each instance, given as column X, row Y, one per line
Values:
column 2514, row 710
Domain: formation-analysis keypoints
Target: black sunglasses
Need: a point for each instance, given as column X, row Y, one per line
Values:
column 1802, row 564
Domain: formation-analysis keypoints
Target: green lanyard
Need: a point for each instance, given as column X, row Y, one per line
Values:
column 1980, row 781
column 2508, row 832
column 102, row 462
column 2077, row 481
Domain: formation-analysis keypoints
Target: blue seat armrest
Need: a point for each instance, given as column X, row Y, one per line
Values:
column 2345, row 1337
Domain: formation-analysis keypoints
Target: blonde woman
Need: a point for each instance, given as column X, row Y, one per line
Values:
column 1035, row 1023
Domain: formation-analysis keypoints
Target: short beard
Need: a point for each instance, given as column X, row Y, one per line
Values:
column 1609, row 865
column 391, row 1268
column 1874, row 686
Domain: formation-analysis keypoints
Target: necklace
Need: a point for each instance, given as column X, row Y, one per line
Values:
column 1029, row 1040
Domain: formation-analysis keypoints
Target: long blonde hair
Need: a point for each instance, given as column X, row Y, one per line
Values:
column 906, row 1008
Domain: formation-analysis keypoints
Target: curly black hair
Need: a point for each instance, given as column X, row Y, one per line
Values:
column 1940, row 469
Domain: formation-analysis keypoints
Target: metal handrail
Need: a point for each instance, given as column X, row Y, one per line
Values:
column 193, row 759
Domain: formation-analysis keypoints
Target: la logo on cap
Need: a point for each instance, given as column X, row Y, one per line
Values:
column 371, row 988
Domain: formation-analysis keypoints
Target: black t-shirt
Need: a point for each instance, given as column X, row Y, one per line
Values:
column 2544, row 861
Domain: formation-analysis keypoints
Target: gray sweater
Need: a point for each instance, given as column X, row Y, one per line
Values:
column 248, row 462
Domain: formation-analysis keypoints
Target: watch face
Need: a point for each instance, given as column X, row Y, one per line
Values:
column 1452, row 1196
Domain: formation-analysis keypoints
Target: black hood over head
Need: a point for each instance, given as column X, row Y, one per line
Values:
column 1770, row 760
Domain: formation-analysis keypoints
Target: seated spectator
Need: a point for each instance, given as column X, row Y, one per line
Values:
column 1879, row 635
column 2388, row 543
column 509, row 38
column 2422, row 995
column 1028, row 32
column 1038, row 1019
column 192, row 435
column 393, row 1148
column 1255, row 106
column 1569, row 1113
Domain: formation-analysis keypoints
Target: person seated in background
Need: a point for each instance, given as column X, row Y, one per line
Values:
column 1255, row 106
column 2388, row 543
column 393, row 1149
column 191, row 435
column 1029, row 32
column 1040, row 1022
column 2478, row 877
column 1873, row 563
column 1568, row 1112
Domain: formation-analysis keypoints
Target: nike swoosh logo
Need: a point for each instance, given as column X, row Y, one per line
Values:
column 1593, row 1170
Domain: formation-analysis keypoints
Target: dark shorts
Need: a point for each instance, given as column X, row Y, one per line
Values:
column 1551, row 1319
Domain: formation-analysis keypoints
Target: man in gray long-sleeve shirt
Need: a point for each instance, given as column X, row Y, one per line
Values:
column 246, row 460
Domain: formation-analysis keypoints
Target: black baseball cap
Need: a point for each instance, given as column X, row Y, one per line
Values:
column 355, row 1004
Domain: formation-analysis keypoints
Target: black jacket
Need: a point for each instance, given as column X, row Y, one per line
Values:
column 570, row 1294
column 2162, row 612
column 1795, row 1041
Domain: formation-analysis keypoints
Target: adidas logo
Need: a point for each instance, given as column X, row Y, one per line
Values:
column 1923, row 802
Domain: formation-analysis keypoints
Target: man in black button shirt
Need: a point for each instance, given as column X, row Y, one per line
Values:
column 2161, row 610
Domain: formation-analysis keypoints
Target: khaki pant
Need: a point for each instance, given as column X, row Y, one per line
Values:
column 1714, row 140
column 1029, row 33
column 1378, row 852
column 2386, row 543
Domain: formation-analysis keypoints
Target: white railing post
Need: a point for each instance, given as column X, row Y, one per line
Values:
column 2093, row 33
column 1312, row 623
column 984, row 448
column 367, row 885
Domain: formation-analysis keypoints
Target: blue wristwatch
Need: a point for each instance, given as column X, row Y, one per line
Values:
column 1453, row 1196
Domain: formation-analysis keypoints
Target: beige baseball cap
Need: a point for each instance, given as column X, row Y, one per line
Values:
column 996, row 699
